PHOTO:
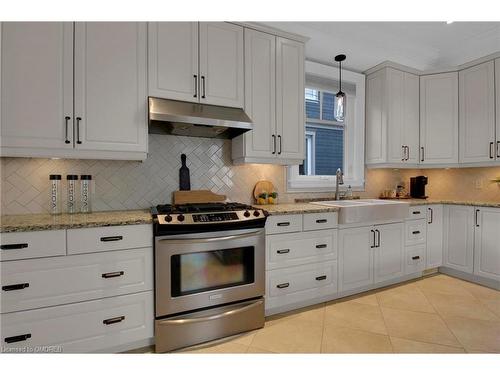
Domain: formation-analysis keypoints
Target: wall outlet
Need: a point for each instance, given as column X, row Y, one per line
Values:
column 478, row 184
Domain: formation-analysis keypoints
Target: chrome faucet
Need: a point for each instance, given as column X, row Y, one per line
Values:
column 339, row 181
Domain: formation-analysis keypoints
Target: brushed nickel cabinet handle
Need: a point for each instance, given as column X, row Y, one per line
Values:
column 109, row 321
column 78, row 119
column 109, row 275
column 66, row 120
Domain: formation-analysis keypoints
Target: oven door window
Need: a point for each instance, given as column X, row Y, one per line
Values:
column 209, row 270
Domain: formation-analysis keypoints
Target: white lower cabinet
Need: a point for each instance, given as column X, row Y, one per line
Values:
column 487, row 243
column 415, row 259
column 80, row 327
column 458, row 239
column 389, row 252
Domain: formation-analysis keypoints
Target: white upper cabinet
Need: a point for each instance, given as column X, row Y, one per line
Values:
column 221, row 64
column 173, row 60
column 477, row 113
column 36, row 105
column 487, row 243
column 290, row 99
column 392, row 121
column 439, row 118
column 110, row 86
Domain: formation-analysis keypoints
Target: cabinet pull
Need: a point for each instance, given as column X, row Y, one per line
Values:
column 283, row 251
column 372, row 246
column 407, row 153
column 9, row 288
column 319, row 278
column 415, row 257
column 279, row 138
column 203, row 84
column 195, row 86
column 432, row 214
column 423, row 153
column 78, row 119
column 416, row 212
column 416, row 232
column 274, row 144
column 14, row 246
column 491, row 150
column 109, row 321
column 321, row 246
column 321, row 221
column 283, row 224
column 498, row 149
column 66, row 120
column 12, row 339
column 112, row 274
column 476, row 218
column 403, row 153
column 378, row 238
column 282, row 286
column 111, row 238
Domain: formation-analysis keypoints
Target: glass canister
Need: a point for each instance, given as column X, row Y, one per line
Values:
column 55, row 194
column 71, row 192
column 86, row 190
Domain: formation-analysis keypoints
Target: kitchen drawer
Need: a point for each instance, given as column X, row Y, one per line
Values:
column 416, row 231
column 24, row 245
column 91, row 240
column 35, row 283
column 317, row 221
column 294, row 249
column 283, row 224
column 417, row 212
column 295, row 284
column 81, row 327
column 414, row 259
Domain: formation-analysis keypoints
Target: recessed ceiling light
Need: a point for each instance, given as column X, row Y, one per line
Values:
column 449, row 22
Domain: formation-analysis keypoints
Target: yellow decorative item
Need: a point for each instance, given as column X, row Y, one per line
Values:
column 262, row 198
column 273, row 198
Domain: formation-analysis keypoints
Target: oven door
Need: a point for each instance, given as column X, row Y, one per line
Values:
column 207, row 269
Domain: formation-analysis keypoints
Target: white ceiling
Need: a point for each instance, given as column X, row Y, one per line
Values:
column 420, row 45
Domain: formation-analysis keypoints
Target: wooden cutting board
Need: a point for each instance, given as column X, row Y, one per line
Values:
column 263, row 186
column 197, row 196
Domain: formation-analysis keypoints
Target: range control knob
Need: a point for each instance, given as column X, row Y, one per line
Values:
column 246, row 213
column 256, row 213
column 168, row 218
column 180, row 217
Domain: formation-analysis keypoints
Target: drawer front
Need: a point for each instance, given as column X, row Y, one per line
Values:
column 35, row 283
column 283, row 224
column 416, row 231
column 91, row 240
column 417, row 212
column 318, row 221
column 81, row 327
column 304, row 283
column 294, row 249
column 415, row 259
column 25, row 245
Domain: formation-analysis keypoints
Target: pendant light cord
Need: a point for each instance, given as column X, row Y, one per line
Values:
column 340, row 76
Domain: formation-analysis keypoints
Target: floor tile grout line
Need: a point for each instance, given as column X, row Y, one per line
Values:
column 383, row 318
column 428, row 342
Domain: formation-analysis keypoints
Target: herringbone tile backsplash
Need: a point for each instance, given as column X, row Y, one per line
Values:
column 137, row 185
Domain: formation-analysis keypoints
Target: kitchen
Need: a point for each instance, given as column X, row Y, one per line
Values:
column 227, row 187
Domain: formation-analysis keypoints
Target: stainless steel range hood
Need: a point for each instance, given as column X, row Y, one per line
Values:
column 196, row 120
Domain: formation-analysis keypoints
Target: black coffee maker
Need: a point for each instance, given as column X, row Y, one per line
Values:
column 417, row 187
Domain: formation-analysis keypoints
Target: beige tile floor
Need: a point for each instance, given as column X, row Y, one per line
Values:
column 437, row 314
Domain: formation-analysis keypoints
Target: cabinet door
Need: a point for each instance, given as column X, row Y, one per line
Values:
column 389, row 253
column 221, row 64
column 290, row 99
column 497, row 96
column 36, row 88
column 487, row 243
column 395, row 115
column 477, row 113
column 411, row 118
column 434, row 250
column 260, row 93
column 110, row 86
column 173, row 60
column 376, row 118
column 458, row 237
column 439, row 118
column 355, row 258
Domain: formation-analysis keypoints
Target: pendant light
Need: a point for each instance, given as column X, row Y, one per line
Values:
column 340, row 98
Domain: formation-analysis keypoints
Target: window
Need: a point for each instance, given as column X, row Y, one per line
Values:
column 330, row 144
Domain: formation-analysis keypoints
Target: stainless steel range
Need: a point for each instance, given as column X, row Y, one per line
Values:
column 209, row 272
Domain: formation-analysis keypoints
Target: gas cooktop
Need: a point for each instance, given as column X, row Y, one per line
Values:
column 206, row 217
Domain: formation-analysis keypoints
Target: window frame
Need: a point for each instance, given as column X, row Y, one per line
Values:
column 354, row 136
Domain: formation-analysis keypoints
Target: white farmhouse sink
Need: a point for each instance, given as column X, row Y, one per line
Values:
column 368, row 210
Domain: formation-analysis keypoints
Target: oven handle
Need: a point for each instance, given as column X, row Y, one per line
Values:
column 212, row 239
column 211, row 317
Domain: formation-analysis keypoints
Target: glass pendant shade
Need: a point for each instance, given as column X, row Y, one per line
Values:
column 340, row 98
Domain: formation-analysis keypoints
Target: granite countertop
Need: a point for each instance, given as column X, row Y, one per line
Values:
column 420, row 202
column 295, row 208
column 35, row 222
